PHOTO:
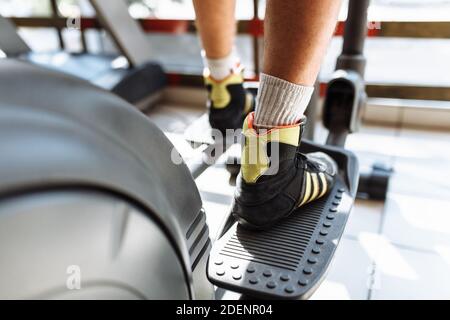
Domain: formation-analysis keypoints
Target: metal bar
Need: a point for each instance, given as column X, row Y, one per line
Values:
column 416, row 29
column 415, row 92
column 346, row 94
column 55, row 14
column 394, row 91
column 256, row 61
column 206, row 158
column 83, row 41
column 431, row 30
column 352, row 56
column 337, row 138
column 38, row 22
column 355, row 27
column 311, row 113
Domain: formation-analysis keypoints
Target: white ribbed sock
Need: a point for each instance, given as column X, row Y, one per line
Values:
column 280, row 102
column 221, row 68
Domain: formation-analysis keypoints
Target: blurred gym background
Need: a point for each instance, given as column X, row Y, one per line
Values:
column 399, row 248
column 408, row 50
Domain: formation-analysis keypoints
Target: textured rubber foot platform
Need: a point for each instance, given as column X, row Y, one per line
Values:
column 290, row 260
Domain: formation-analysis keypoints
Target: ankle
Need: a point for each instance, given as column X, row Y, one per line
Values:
column 280, row 103
column 221, row 68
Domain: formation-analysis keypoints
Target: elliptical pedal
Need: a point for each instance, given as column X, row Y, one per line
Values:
column 290, row 260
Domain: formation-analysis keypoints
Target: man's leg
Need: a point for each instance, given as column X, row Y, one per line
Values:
column 297, row 33
column 216, row 26
column 228, row 102
column 273, row 184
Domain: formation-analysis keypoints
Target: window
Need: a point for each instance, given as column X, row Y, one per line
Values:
column 397, row 10
column 180, row 9
column 25, row 8
column 410, row 10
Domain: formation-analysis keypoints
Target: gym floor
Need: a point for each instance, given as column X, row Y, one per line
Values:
column 399, row 249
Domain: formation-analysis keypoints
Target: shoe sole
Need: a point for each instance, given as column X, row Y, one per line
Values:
column 252, row 227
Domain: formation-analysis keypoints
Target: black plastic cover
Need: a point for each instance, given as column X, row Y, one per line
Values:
column 109, row 72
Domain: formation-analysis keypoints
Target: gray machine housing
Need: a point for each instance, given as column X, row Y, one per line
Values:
column 88, row 198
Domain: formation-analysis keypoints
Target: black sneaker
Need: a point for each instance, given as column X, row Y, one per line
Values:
column 228, row 102
column 269, row 188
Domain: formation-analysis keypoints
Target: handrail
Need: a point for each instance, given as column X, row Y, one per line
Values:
column 254, row 27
